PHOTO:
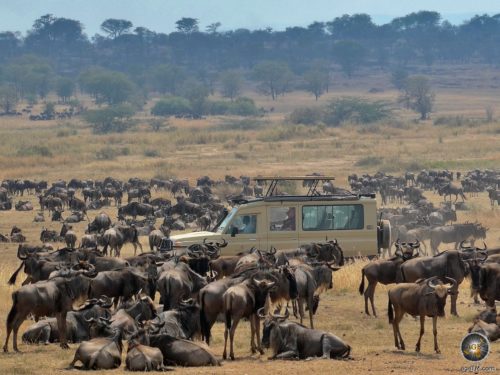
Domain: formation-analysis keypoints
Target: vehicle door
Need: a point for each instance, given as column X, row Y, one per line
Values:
column 244, row 232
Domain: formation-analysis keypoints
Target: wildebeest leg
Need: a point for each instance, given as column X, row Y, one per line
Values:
column 257, row 333
column 232, row 331
column 310, row 306
column 369, row 293
column 61, row 325
column 435, row 332
column 453, row 298
column 422, row 324
column 253, row 347
column 397, row 333
column 286, row 355
column 300, row 307
column 224, row 354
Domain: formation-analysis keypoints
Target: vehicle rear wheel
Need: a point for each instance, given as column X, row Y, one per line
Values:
column 384, row 234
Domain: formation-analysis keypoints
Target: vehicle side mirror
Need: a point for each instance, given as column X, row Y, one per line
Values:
column 234, row 231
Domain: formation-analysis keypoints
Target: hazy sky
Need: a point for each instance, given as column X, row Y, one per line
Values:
column 160, row 15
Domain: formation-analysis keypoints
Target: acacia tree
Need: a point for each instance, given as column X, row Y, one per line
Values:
column 316, row 81
column 65, row 88
column 231, row 83
column 418, row 95
column 115, row 27
column 187, row 25
column 274, row 77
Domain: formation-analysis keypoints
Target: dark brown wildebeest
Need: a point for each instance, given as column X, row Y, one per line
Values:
column 141, row 356
column 180, row 352
column 450, row 189
column 124, row 283
column 289, row 340
column 77, row 324
column 384, row 271
column 116, row 237
column 47, row 298
column 135, row 209
column 243, row 301
column 425, row 298
column 100, row 353
column 456, row 233
column 449, row 263
column 156, row 237
column 487, row 282
column 100, row 223
column 182, row 322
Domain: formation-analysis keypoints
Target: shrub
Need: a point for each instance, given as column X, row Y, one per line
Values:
column 357, row 110
column 305, row 116
column 244, row 124
column 151, row 153
column 172, row 106
column 240, row 107
column 34, row 150
column 111, row 119
column 106, row 154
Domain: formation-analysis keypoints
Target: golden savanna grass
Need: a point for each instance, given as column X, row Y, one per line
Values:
column 273, row 147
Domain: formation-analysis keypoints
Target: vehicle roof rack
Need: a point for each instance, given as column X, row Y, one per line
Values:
column 313, row 181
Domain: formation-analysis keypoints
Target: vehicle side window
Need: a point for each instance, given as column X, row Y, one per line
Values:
column 246, row 224
column 282, row 219
column 339, row 217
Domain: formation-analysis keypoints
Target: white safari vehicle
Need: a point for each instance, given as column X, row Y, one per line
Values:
column 287, row 221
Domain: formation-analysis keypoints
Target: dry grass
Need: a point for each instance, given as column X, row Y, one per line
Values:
column 201, row 147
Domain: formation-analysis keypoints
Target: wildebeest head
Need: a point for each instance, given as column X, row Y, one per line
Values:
column 270, row 327
column 437, row 289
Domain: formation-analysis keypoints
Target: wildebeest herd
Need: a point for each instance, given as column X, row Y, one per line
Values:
column 87, row 293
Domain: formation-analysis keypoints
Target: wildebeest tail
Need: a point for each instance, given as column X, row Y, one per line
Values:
column 463, row 195
column 227, row 307
column 390, row 312
column 362, row 284
column 346, row 353
column 204, row 325
column 13, row 278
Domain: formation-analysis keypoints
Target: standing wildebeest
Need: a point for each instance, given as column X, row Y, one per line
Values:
column 100, row 353
column 456, row 233
column 242, row 301
column 449, row 263
column 70, row 237
column 123, row 283
column 156, row 237
column 117, row 236
column 47, row 298
column 384, row 271
column 487, row 282
column 450, row 189
column 178, row 283
column 425, row 298
column 101, row 223
column 290, row 340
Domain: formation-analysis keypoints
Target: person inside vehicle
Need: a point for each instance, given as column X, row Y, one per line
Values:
column 289, row 222
column 248, row 225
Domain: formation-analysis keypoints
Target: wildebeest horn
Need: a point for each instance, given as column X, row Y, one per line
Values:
column 187, row 302
column 462, row 244
column 485, row 255
column 90, row 320
column 332, row 266
column 453, row 282
column 415, row 244
column 223, row 244
column 485, row 247
column 272, row 250
column 281, row 317
column 430, row 282
column 137, row 318
column 261, row 313
column 105, row 301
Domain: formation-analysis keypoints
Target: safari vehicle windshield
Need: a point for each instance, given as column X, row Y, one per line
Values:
column 227, row 219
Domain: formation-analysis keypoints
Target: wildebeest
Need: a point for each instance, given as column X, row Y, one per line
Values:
column 289, row 340
column 100, row 353
column 180, row 352
column 116, row 237
column 47, row 298
column 141, row 356
column 490, row 330
column 242, row 301
column 424, row 298
column 182, row 322
column 384, row 271
column 100, row 223
column 487, row 282
column 449, row 263
column 135, row 209
column 156, row 237
column 450, row 189
column 124, row 283
column 456, row 233
column 77, row 323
